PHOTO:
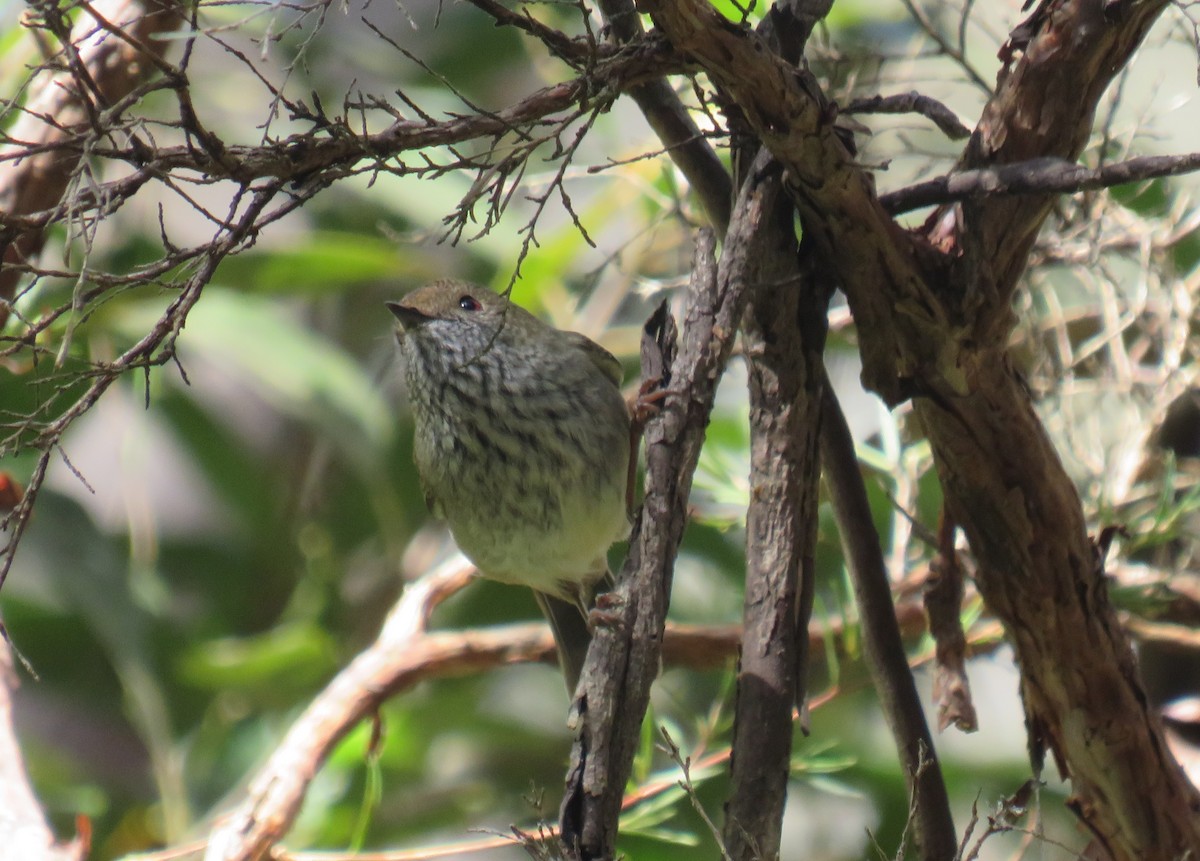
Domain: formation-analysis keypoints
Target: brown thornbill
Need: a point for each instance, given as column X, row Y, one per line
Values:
column 522, row 446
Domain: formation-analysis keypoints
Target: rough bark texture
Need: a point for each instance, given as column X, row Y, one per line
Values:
column 624, row 657
column 933, row 318
column 1044, row 107
column 784, row 364
column 1040, row 575
column 877, row 264
column 623, row 660
column 1005, row 484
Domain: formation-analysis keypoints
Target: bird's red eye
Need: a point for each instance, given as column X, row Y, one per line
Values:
column 468, row 303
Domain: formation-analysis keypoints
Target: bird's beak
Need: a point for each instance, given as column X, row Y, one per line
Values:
column 407, row 315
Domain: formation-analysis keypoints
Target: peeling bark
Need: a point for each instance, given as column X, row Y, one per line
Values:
column 1040, row 574
column 933, row 315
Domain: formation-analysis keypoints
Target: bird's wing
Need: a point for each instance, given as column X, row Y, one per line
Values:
column 600, row 357
column 431, row 501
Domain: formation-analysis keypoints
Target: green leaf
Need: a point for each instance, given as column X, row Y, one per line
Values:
column 673, row 836
column 647, row 741
column 297, row 371
column 326, row 260
column 301, row 654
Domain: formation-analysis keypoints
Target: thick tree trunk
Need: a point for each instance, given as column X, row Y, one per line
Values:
column 933, row 318
column 1042, row 576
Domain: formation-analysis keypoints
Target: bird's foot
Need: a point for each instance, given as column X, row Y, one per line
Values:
column 644, row 404
column 606, row 613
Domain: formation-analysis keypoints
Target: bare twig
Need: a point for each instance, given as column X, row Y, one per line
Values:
column 1036, row 176
column 685, row 767
column 303, row 156
column 688, row 646
column 59, row 123
column 575, row 51
column 156, row 347
column 912, row 103
column 680, row 135
column 954, row 52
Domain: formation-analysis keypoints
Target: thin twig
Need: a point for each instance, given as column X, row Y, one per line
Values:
column 954, row 52
column 912, row 103
column 669, row 119
column 1036, row 176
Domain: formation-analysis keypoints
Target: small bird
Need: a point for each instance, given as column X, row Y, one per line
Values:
column 522, row 445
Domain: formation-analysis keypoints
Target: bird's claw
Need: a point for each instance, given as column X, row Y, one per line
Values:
column 645, row 404
column 606, row 612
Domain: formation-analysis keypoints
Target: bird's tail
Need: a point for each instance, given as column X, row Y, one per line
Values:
column 569, row 621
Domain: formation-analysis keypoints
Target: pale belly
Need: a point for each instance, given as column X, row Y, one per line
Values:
column 572, row 551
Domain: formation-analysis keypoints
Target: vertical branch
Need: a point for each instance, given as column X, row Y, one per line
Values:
column 785, row 384
column 783, row 335
column 882, row 643
column 624, row 656
column 60, row 114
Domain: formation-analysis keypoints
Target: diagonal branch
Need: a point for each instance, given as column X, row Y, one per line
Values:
column 576, row 52
column 669, row 119
column 1044, row 107
column 388, row 664
column 882, row 642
